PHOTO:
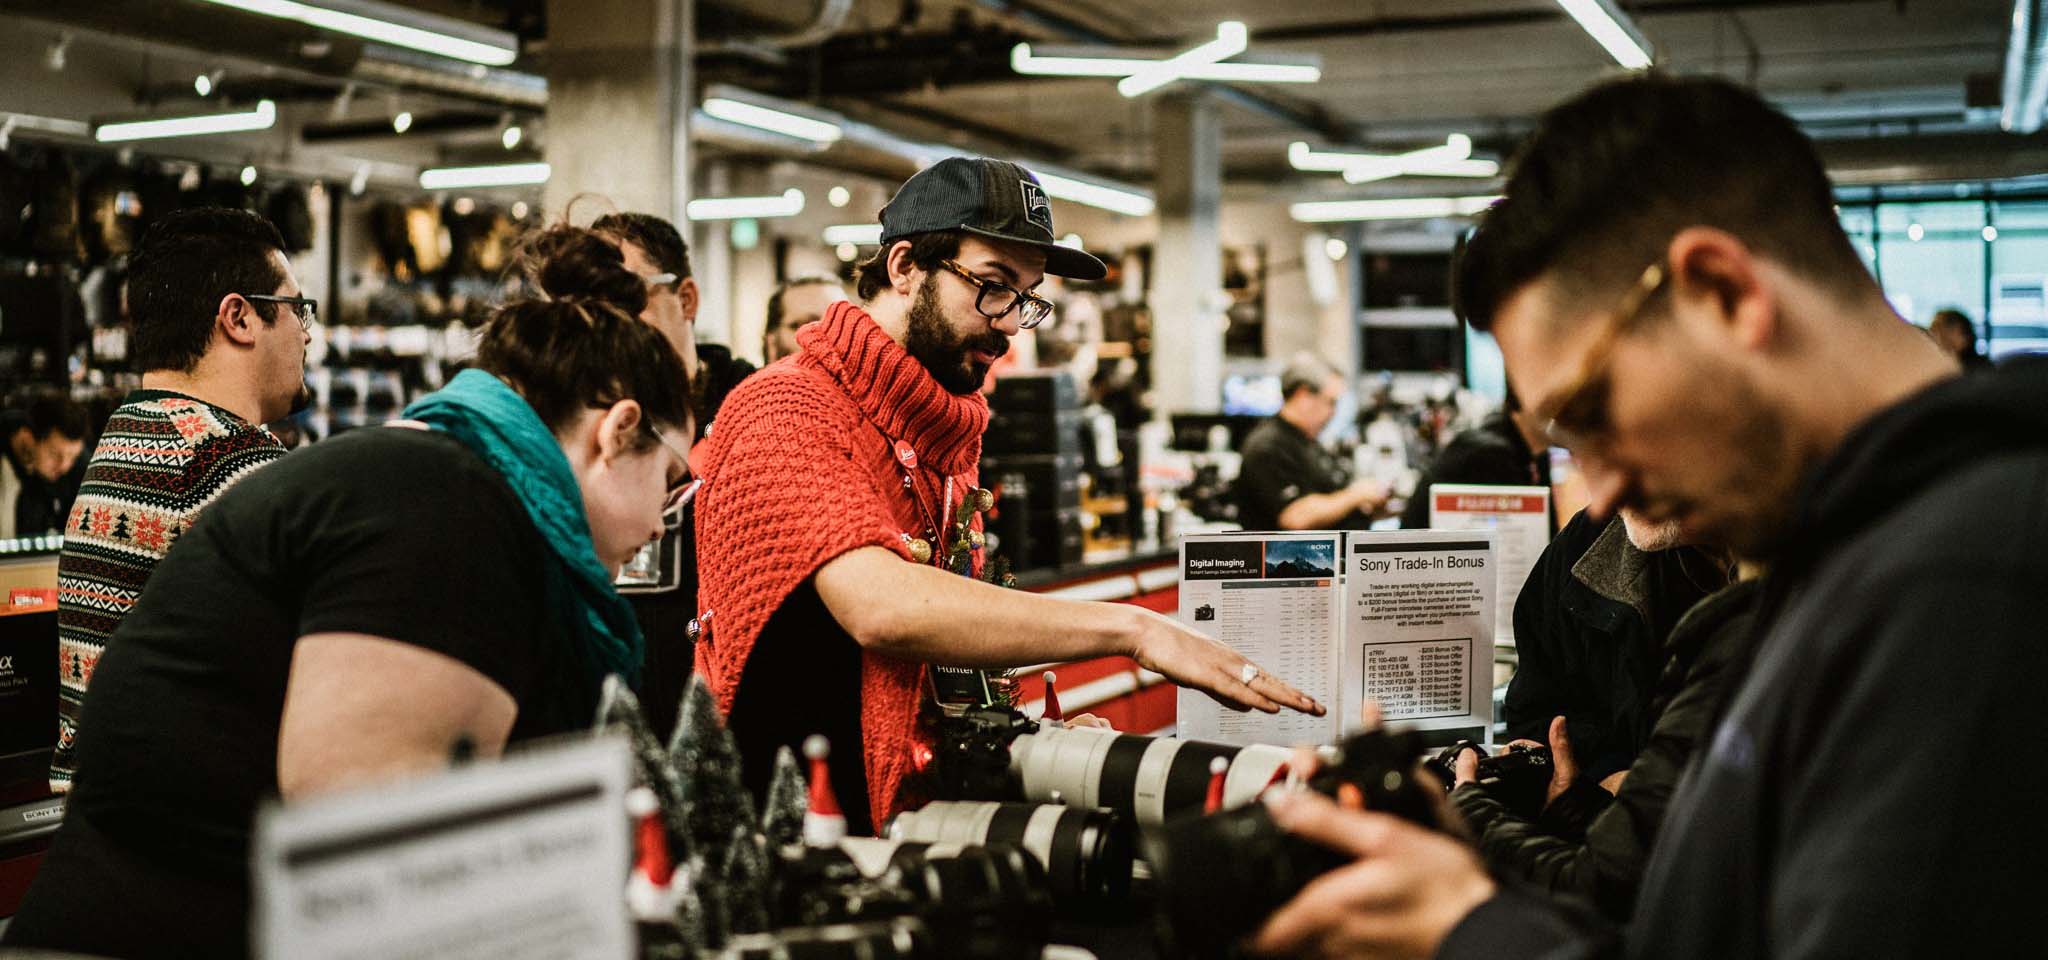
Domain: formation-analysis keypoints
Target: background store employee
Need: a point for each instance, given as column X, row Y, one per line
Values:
column 316, row 631
column 826, row 467
column 1289, row 481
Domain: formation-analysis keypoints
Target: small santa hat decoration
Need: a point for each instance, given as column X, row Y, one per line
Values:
column 1217, row 768
column 1052, row 700
column 649, row 894
column 824, row 824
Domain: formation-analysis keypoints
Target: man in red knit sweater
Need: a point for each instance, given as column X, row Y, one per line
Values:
column 830, row 481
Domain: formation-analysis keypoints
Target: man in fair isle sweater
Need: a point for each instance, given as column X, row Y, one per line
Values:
column 835, row 491
column 220, row 335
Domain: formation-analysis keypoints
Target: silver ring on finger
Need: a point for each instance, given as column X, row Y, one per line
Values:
column 1248, row 673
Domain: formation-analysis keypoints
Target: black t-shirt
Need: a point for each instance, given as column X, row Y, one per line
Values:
column 1282, row 465
column 803, row 677
column 390, row 532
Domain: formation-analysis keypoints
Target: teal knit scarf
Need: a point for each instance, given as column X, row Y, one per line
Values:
column 495, row 423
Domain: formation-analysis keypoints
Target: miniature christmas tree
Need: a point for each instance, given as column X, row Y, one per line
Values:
column 619, row 710
column 746, row 881
column 782, row 818
column 705, row 900
column 715, row 800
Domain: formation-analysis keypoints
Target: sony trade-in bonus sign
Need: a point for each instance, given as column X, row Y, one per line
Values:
column 1418, row 627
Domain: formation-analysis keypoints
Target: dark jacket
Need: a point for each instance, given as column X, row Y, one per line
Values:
column 1590, row 626
column 666, row 609
column 1862, row 794
column 1589, row 843
column 1492, row 452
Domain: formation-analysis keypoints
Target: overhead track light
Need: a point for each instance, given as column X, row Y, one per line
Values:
column 1126, row 202
column 1141, row 76
column 772, row 120
column 395, row 25
column 1452, row 159
column 789, row 204
column 1404, row 208
column 491, row 175
column 867, row 234
column 1231, row 39
column 261, row 118
column 1612, row 30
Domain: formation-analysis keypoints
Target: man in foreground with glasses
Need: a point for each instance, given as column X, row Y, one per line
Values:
column 1669, row 284
column 220, row 335
column 839, row 506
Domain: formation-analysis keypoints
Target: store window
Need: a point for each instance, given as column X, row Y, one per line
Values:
column 2018, row 314
column 1931, row 256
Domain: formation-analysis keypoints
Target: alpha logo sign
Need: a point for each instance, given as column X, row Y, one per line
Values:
column 1037, row 208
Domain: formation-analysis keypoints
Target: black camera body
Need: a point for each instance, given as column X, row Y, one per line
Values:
column 1217, row 877
column 971, row 760
column 1519, row 778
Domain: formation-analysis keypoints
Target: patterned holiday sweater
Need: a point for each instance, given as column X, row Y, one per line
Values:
column 161, row 459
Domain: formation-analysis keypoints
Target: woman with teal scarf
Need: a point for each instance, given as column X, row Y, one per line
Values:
column 370, row 603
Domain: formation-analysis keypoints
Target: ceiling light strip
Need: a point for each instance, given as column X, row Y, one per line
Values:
column 492, row 175
column 789, row 204
column 1023, row 61
column 1612, row 30
column 262, row 118
column 772, row 120
column 1404, row 208
column 861, row 234
column 500, row 50
column 1231, row 38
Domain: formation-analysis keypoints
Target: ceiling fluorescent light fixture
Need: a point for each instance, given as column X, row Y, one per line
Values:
column 261, row 118
column 865, row 234
column 1073, row 62
column 1231, row 38
column 492, row 175
column 395, row 25
column 1452, row 159
column 772, row 120
column 1612, row 30
column 1404, row 208
column 789, row 204
column 56, row 125
column 1112, row 199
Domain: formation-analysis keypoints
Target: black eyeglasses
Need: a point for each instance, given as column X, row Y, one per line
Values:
column 306, row 308
column 997, row 299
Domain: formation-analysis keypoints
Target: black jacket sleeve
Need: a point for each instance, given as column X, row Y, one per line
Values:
column 1523, row 924
column 1540, row 688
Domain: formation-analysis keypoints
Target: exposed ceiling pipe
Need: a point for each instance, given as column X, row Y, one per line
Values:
column 1065, row 29
column 827, row 21
column 2025, row 93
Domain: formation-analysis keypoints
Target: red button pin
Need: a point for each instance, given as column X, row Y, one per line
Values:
column 905, row 454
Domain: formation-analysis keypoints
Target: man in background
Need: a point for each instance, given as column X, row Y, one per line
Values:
column 795, row 302
column 1957, row 336
column 221, row 329
column 1505, row 449
column 1289, row 480
column 44, row 440
column 655, row 250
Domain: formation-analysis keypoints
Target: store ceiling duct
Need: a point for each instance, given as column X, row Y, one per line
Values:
column 1402, row 208
column 1612, row 30
column 492, row 175
column 263, row 117
column 2025, row 90
column 398, row 26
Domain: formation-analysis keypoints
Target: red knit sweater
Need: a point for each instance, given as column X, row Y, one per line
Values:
column 802, row 467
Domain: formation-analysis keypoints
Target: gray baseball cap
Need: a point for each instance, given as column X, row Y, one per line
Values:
column 993, row 198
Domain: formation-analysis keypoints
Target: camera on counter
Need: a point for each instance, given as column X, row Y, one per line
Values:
column 1519, row 778
column 988, row 902
column 1218, row 877
column 994, row 753
column 1086, row 853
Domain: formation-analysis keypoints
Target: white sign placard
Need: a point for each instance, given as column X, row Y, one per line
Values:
column 1273, row 598
column 1520, row 516
column 1418, row 630
column 521, row 857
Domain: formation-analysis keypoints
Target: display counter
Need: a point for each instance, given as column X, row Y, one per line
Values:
column 28, row 711
column 1132, row 699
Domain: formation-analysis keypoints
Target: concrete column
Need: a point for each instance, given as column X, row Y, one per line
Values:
column 620, row 92
column 1187, row 262
column 711, row 259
